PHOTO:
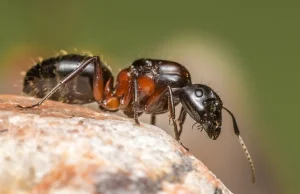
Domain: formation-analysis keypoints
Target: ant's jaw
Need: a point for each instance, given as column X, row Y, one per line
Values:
column 211, row 124
column 210, row 117
column 213, row 131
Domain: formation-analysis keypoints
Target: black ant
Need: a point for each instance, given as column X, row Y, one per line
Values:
column 148, row 85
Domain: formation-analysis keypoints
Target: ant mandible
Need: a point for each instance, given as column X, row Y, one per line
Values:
column 149, row 85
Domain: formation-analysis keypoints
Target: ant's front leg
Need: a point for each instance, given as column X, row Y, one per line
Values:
column 181, row 119
column 171, row 108
column 156, row 104
column 69, row 78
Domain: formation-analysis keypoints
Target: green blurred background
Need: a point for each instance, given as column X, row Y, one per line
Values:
column 264, row 35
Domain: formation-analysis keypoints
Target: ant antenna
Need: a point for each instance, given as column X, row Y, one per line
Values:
column 237, row 132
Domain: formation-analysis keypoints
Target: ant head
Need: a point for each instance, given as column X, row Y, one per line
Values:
column 204, row 106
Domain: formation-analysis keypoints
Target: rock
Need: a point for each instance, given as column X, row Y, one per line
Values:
column 62, row 148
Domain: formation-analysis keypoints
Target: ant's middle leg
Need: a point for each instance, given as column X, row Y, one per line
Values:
column 135, row 100
column 69, row 78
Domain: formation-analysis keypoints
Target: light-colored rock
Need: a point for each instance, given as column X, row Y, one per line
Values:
column 61, row 148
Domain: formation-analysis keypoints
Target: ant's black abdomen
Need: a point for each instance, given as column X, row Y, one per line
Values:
column 43, row 76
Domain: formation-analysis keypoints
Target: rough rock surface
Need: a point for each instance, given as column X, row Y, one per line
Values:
column 61, row 148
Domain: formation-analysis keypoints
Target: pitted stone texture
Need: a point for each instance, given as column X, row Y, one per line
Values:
column 60, row 148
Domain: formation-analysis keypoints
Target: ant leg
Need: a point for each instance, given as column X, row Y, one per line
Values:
column 98, row 85
column 181, row 119
column 171, row 108
column 157, row 104
column 135, row 100
column 67, row 79
column 153, row 119
column 3, row 130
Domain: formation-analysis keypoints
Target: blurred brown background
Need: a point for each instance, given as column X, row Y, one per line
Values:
column 247, row 51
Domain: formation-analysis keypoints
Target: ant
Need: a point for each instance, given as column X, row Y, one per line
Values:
column 148, row 86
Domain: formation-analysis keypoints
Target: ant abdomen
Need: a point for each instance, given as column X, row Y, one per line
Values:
column 45, row 75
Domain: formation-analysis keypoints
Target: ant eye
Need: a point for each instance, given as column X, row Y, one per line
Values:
column 199, row 93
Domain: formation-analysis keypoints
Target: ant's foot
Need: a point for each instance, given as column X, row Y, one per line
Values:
column 187, row 149
column 3, row 130
column 20, row 107
column 26, row 107
column 136, row 122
